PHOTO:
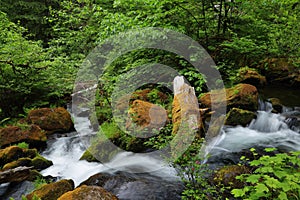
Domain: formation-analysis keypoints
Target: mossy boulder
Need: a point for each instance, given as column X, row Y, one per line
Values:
column 280, row 71
column 145, row 115
column 88, row 193
column 25, row 157
column 226, row 175
column 243, row 96
column 52, row 120
column 31, row 134
column 250, row 76
column 276, row 104
column 238, row 116
column 52, row 191
column 13, row 153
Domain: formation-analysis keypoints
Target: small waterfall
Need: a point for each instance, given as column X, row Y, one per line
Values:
column 65, row 153
column 268, row 130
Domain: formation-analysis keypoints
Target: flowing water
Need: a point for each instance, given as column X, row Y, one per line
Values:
column 65, row 153
column 267, row 130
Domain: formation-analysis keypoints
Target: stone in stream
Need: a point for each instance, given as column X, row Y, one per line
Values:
column 88, row 193
column 52, row 120
column 243, row 96
column 238, row 116
column 136, row 186
column 52, row 191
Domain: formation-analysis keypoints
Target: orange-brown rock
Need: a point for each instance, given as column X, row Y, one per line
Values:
column 243, row 96
column 147, row 115
column 52, row 191
column 51, row 120
column 88, row 193
column 31, row 134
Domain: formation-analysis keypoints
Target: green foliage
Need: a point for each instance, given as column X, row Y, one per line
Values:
column 275, row 177
column 39, row 182
column 195, row 175
column 161, row 139
column 31, row 14
column 23, row 145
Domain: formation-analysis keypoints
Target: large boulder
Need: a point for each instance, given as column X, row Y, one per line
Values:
column 243, row 96
column 52, row 191
column 281, row 71
column 136, row 186
column 51, row 120
column 31, row 134
column 238, row 116
column 88, row 193
column 145, row 115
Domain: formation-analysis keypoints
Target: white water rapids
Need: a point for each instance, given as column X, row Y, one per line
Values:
column 267, row 130
column 65, row 153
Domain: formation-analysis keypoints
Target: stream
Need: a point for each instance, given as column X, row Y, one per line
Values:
column 267, row 130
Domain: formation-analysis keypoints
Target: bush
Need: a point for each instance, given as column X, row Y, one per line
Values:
column 276, row 177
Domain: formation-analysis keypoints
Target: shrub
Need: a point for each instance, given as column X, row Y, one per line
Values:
column 275, row 177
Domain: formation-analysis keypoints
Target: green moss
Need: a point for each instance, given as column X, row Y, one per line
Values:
column 238, row 116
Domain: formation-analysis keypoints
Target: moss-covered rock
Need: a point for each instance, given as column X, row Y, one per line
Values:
column 52, row 191
column 226, row 176
column 88, row 193
column 276, row 104
column 13, row 153
column 14, row 156
column 238, row 116
column 51, row 120
column 32, row 134
column 250, row 76
column 280, row 71
column 145, row 115
column 243, row 96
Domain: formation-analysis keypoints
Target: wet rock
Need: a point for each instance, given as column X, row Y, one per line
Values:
column 251, row 76
column 18, row 174
column 16, row 190
column 276, row 104
column 31, row 134
column 281, row 71
column 243, row 96
column 238, row 116
column 52, row 191
column 137, row 186
column 51, row 120
column 88, row 193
